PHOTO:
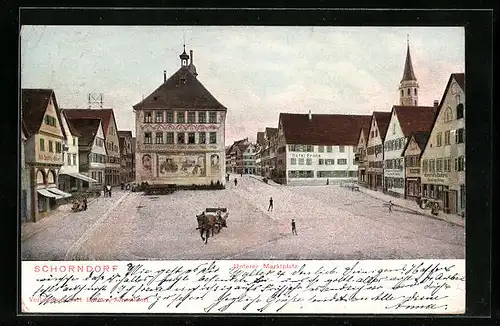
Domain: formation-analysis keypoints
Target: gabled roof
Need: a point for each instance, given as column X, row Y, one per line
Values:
column 104, row 114
column 260, row 137
column 72, row 129
column 420, row 138
column 24, row 132
column 124, row 133
column 383, row 119
column 414, row 118
column 460, row 78
column 34, row 103
column 322, row 129
column 181, row 91
column 87, row 128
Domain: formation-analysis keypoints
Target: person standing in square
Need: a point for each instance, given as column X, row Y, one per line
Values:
column 390, row 206
column 271, row 206
column 294, row 228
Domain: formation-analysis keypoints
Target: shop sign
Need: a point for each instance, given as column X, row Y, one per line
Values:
column 304, row 155
column 414, row 171
column 393, row 173
column 435, row 177
column 51, row 157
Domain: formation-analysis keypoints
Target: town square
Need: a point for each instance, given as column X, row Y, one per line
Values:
column 243, row 143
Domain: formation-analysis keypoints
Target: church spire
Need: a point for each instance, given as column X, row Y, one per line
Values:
column 408, row 73
column 408, row 86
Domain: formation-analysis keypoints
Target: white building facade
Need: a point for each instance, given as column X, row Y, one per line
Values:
column 443, row 158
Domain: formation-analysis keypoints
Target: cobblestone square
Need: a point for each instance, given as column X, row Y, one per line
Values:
column 333, row 223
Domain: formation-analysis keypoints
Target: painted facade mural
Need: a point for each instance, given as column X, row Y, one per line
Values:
column 214, row 164
column 180, row 165
column 146, row 162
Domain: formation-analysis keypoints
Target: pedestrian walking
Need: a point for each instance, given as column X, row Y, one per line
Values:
column 105, row 191
column 390, row 206
column 84, row 203
column 235, row 181
column 294, row 229
column 271, row 207
column 109, row 190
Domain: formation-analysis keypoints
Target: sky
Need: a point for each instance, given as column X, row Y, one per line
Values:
column 257, row 72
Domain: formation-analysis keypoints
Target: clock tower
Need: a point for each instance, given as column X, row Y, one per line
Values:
column 408, row 87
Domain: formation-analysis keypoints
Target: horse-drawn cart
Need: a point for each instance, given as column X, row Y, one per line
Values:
column 212, row 219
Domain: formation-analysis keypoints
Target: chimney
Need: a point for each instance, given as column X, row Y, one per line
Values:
column 164, row 76
column 191, row 56
column 436, row 104
column 310, row 115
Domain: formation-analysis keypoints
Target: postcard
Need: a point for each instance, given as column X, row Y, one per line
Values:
column 288, row 170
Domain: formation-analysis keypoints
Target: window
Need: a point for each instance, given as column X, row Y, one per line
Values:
column 159, row 116
column 191, row 117
column 148, row 117
column 147, row 138
column 308, row 161
column 459, row 136
column 191, row 138
column 321, row 161
column 181, row 138
column 213, row 138
column 432, row 166
column 58, row 147
column 329, row 162
column 446, row 137
column 448, row 115
column 212, row 117
column 301, row 161
column 461, row 163
column 342, row 161
column 169, row 117
column 74, row 141
column 394, row 127
column 402, row 93
column 415, row 91
column 170, row 138
column 159, row 138
column 202, row 138
column 439, row 165
column 74, row 159
column 321, row 149
column 51, row 146
column 460, row 111
column 51, row 121
column 439, row 139
column 329, row 149
column 180, row 117
column 341, row 149
column 376, row 133
column 309, row 148
column 408, row 92
column 202, row 117
column 447, row 164
column 293, row 161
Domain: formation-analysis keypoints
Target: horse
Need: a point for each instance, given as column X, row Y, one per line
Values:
column 205, row 224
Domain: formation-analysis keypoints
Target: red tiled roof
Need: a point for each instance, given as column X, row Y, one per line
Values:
column 72, row 129
column 322, row 129
column 383, row 119
column 420, row 138
column 175, row 93
column 460, row 78
column 87, row 128
column 34, row 103
column 104, row 114
column 415, row 118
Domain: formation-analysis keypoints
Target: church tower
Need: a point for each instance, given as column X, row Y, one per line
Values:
column 408, row 87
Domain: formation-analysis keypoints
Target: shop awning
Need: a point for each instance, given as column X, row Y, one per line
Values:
column 59, row 192
column 80, row 176
column 46, row 193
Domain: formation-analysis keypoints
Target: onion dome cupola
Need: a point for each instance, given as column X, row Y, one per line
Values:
column 184, row 58
column 408, row 86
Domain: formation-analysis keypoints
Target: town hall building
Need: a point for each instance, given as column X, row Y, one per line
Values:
column 180, row 132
